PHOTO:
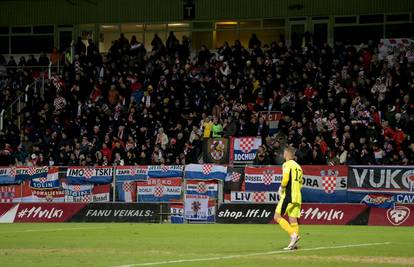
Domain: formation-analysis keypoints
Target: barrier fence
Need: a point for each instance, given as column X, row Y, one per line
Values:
column 202, row 193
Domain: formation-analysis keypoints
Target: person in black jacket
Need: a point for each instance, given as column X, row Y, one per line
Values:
column 262, row 158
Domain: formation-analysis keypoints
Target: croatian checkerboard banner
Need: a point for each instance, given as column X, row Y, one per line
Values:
column 8, row 176
column 164, row 171
column 324, row 183
column 25, row 193
column 86, row 193
column 254, row 197
column 77, row 193
column 27, row 173
column 49, row 180
column 89, row 175
column 127, row 191
column 244, row 149
column 7, row 193
column 159, row 190
column 216, row 150
column 234, row 181
column 205, row 172
column 131, row 173
column 258, row 179
column 202, row 188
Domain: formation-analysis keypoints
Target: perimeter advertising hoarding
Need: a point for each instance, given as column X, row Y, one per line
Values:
column 80, row 212
column 339, row 214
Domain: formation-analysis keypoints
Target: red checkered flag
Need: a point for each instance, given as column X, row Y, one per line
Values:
column 164, row 168
column 268, row 177
column 159, row 190
column 12, row 171
column 128, row 186
column 31, row 171
column 207, row 168
column 88, row 172
column 202, row 187
column 259, row 197
column 246, row 144
column 133, row 171
column 329, row 181
column 235, row 177
column 86, row 198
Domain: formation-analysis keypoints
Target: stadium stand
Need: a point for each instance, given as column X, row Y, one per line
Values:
column 341, row 104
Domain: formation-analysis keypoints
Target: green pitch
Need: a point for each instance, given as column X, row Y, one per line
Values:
column 111, row 245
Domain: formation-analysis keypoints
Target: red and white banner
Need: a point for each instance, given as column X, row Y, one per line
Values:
column 399, row 42
column 39, row 212
column 338, row 214
column 79, row 212
column 400, row 215
column 24, row 193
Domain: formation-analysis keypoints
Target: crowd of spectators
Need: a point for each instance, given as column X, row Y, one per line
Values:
column 140, row 105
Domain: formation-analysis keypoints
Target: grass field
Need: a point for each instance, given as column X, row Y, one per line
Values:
column 111, row 245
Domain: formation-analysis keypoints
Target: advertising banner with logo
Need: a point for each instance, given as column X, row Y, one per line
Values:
column 216, row 151
column 326, row 184
column 118, row 212
column 259, row 179
column 40, row 212
column 382, row 179
column 272, row 118
column 338, row 214
column 159, row 190
column 89, row 175
column 400, row 215
column 244, row 149
column 245, row 213
column 404, row 198
column 80, row 212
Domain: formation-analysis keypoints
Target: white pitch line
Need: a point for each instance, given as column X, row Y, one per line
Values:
column 251, row 255
column 52, row 230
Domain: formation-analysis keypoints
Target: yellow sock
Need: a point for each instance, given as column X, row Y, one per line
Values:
column 286, row 226
column 295, row 227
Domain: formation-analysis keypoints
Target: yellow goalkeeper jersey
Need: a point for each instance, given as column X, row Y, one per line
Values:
column 292, row 181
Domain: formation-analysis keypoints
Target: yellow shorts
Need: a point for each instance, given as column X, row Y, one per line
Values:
column 291, row 209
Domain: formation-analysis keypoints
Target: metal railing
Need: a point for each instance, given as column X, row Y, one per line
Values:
column 12, row 113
